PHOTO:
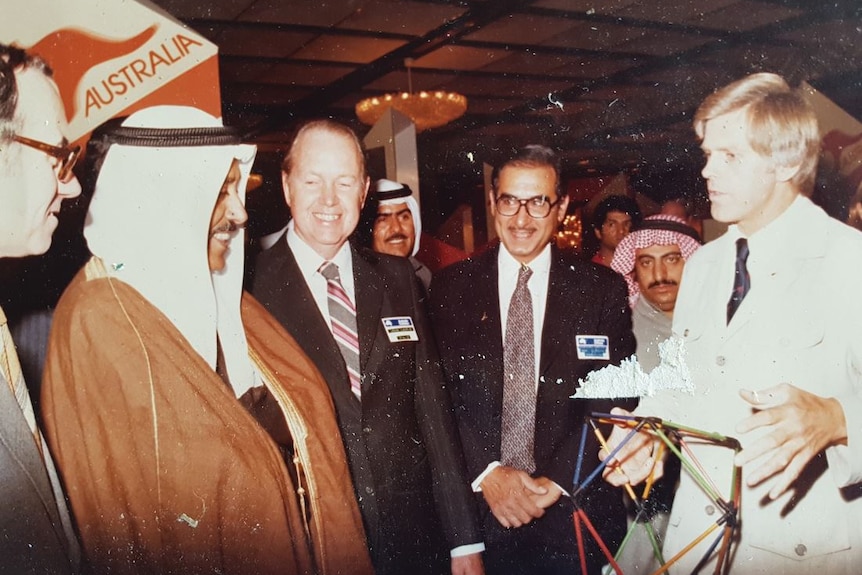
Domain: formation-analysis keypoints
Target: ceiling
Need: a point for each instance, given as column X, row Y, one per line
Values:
column 612, row 84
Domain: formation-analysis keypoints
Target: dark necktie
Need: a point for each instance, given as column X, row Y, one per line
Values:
column 741, row 278
column 519, row 386
column 342, row 317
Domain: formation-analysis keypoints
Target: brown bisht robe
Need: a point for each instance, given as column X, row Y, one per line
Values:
column 166, row 472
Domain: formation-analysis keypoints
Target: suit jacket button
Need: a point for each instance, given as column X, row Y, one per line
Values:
column 720, row 360
column 801, row 550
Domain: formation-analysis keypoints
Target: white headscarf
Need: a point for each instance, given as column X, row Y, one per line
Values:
column 149, row 222
column 405, row 197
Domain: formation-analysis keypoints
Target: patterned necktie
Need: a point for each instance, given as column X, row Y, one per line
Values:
column 342, row 316
column 519, row 386
column 741, row 278
column 15, row 378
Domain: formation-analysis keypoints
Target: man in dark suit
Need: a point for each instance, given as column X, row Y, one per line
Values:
column 358, row 316
column 35, row 177
column 511, row 327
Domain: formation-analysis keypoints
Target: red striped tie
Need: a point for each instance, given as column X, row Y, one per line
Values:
column 342, row 317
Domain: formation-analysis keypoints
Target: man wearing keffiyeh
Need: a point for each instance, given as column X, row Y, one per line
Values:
column 651, row 260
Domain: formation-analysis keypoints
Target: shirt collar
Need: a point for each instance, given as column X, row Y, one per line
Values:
column 309, row 261
column 774, row 236
column 507, row 263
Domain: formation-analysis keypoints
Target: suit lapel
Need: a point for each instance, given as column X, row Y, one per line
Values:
column 370, row 289
column 17, row 439
column 558, row 305
column 298, row 312
column 489, row 321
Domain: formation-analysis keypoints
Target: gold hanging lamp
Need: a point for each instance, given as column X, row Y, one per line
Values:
column 425, row 109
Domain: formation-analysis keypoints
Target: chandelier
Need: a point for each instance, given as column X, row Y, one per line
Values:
column 425, row 109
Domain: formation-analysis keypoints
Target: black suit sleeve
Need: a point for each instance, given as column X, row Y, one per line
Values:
column 455, row 502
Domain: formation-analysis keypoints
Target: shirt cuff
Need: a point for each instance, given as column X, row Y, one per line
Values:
column 463, row 550
column 477, row 483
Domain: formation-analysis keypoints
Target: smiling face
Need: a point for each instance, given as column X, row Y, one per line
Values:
column 658, row 271
column 30, row 192
column 745, row 188
column 523, row 235
column 325, row 189
column 228, row 217
column 393, row 232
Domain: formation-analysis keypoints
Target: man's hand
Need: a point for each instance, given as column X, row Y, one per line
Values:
column 508, row 493
column 468, row 565
column 799, row 425
column 551, row 497
column 634, row 462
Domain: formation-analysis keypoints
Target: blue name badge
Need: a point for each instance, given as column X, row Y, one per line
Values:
column 400, row 329
column 593, row 347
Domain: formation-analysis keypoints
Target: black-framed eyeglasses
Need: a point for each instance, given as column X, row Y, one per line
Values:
column 66, row 157
column 537, row 207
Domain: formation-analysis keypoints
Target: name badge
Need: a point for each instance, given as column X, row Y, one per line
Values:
column 593, row 347
column 400, row 329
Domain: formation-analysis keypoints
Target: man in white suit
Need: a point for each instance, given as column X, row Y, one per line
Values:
column 35, row 177
column 770, row 315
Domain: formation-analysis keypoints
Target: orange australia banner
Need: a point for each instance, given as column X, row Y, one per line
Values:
column 111, row 58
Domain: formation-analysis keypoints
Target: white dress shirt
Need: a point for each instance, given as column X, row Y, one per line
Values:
column 309, row 261
column 507, row 279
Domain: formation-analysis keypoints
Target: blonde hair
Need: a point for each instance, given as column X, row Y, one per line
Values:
column 782, row 124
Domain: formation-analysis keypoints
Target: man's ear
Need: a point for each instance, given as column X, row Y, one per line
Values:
column 492, row 202
column 786, row 173
column 365, row 191
column 597, row 233
column 286, row 187
column 562, row 207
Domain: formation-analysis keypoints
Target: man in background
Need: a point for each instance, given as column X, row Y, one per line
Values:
column 613, row 218
column 651, row 260
column 391, row 224
column 36, row 164
column 358, row 316
column 175, row 408
column 509, row 325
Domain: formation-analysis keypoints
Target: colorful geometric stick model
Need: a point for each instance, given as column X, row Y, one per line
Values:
column 674, row 438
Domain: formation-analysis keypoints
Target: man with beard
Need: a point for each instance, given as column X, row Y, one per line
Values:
column 393, row 219
column 651, row 260
column 193, row 434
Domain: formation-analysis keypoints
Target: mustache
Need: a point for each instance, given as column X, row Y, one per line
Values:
column 225, row 227
column 662, row 283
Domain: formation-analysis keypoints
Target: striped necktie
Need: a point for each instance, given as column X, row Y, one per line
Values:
column 342, row 317
column 519, row 385
column 14, row 377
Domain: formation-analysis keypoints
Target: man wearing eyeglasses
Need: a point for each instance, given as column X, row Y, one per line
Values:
column 512, row 326
column 35, row 177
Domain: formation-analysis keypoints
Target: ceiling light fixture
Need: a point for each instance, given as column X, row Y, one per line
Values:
column 425, row 109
